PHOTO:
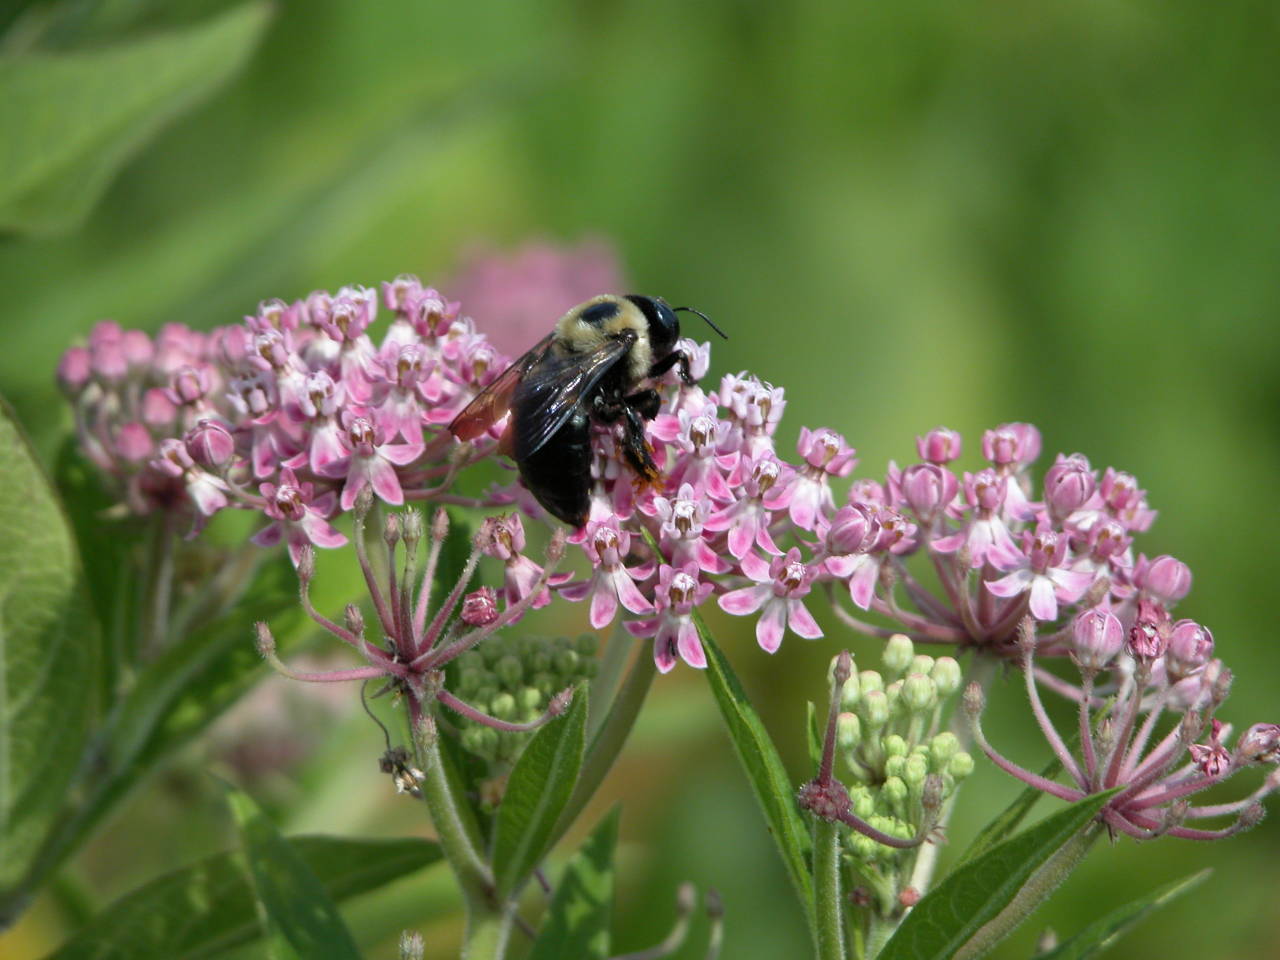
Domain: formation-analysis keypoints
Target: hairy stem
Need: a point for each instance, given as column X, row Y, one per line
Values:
column 826, row 890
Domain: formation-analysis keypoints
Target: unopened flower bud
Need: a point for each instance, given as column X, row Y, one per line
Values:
column 411, row 529
column 1167, row 579
column 898, row 652
column 439, row 525
column 921, row 663
column 265, row 642
column 210, row 444
column 914, row 772
column 1098, row 636
column 869, row 680
column 894, row 765
column 306, row 563
column 928, row 489
column 1068, row 485
column 852, row 530
column 503, row 706
column 895, row 746
column 412, row 946
column 918, row 693
column 942, row 748
column 480, row 607
column 841, row 669
column 946, row 676
column 391, row 529
column 975, row 701
column 1190, row 647
column 940, row 445
column 530, row 699
column 893, row 694
column 873, row 709
column 961, row 765
column 848, row 731
column 851, row 692
column 1260, row 744
column 509, row 670
column 354, row 619
column 894, row 790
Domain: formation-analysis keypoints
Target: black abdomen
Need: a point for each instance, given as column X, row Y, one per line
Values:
column 559, row 473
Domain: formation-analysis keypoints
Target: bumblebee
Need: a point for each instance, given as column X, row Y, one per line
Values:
column 595, row 367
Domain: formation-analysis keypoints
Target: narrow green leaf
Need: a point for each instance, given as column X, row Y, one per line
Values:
column 976, row 893
column 769, row 781
column 49, row 645
column 71, row 120
column 1010, row 818
column 577, row 923
column 1103, row 933
column 816, row 733
column 208, row 907
column 539, row 787
column 289, row 893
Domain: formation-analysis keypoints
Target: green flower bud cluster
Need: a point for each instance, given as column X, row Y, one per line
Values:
column 514, row 679
column 890, row 738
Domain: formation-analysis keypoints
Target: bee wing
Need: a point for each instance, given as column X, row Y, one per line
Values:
column 493, row 402
column 554, row 388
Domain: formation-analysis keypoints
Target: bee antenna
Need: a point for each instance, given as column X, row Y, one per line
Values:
column 704, row 317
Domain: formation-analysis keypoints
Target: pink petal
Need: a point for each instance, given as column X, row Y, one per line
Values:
column 577, row 590
column 604, row 604
column 746, row 601
column 862, row 585
column 642, row 628
column 401, row 454
column 742, row 535
column 1012, row 585
column 690, row 646
column 321, row 532
column 356, row 481
column 268, row 536
column 801, row 621
column 664, row 655
column 385, row 482
column 1071, row 584
column 771, row 625
column 1044, row 605
column 631, row 598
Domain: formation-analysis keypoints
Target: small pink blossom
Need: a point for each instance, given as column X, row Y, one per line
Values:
column 300, row 517
column 673, row 630
column 778, row 598
column 1043, row 574
column 611, row 583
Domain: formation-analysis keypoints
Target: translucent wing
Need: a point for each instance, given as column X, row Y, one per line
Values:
column 493, row 402
column 553, row 388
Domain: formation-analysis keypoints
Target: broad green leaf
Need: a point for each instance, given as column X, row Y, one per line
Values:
column 69, row 121
column 289, row 893
column 946, row 922
column 577, row 923
column 774, row 789
column 1010, row 818
column 208, row 907
column 1103, row 933
column 538, row 789
column 49, row 653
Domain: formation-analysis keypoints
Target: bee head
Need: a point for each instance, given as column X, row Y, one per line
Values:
column 664, row 326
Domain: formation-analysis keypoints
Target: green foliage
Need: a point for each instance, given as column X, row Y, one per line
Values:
column 1010, row 818
column 770, row 783
column 72, row 119
column 209, row 907
column 290, row 895
column 49, row 656
column 1103, row 933
column 949, row 921
column 539, row 787
column 577, row 922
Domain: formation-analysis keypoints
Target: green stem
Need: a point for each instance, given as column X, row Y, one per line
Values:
column 826, row 890
column 488, row 932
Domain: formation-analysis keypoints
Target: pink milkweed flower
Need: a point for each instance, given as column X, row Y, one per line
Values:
column 1212, row 758
column 826, row 455
column 673, row 631
column 852, row 531
column 697, row 438
column 682, row 520
column 1098, row 639
column 1190, row 649
column 926, row 488
column 748, row 518
column 1068, row 485
column 940, row 446
column 369, row 461
column 395, row 394
column 777, row 595
column 299, row 516
column 611, row 583
column 1043, row 573
column 986, row 536
column 503, row 538
column 1165, row 578
column 207, row 492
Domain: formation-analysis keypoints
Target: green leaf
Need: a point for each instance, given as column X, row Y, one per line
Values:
column 49, row 647
column 816, row 734
column 69, row 121
column 577, row 923
column 1010, row 818
column 289, row 893
column 208, row 907
column 539, row 788
column 774, row 789
column 948, row 922
column 1103, row 933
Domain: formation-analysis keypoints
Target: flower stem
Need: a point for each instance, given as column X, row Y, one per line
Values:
column 488, row 932
column 826, row 890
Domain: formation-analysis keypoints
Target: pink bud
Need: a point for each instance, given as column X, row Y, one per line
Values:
column 133, row 442
column 1260, row 744
column 210, row 444
column 1190, row 647
column 852, row 530
column 74, row 370
column 928, row 488
column 1098, row 638
column 1145, row 640
column 480, row 608
column 1068, row 484
column 1167, row 579
column 189, row 385
column 939, row 445
column 157, row 409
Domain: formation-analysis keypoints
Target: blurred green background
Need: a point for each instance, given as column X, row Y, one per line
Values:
column 907, row 214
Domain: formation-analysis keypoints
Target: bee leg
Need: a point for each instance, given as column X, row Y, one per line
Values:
column 645, row 402
column 635, row 448
column 607, row 409
column 673, row 359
